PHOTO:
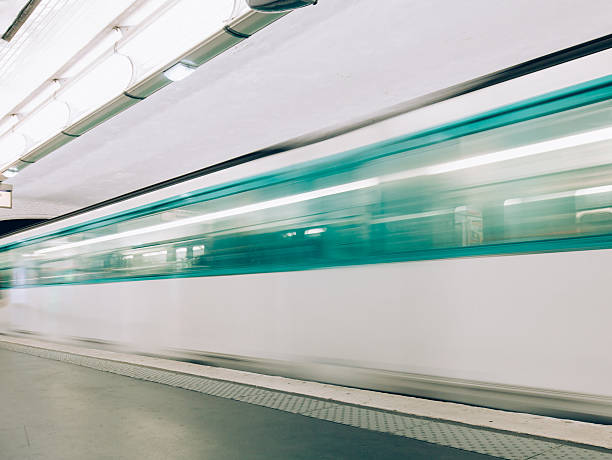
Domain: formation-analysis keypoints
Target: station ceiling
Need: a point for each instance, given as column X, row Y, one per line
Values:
column 316, row 67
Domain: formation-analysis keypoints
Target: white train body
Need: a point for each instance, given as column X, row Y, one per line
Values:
column 517, row 331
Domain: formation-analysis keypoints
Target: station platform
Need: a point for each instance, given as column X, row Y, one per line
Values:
column 64, row 403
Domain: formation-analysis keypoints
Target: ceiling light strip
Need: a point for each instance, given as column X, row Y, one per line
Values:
column 244, row 25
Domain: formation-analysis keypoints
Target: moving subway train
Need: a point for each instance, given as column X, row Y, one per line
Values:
column 459, row 251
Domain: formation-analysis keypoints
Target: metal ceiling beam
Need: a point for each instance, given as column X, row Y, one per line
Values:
column 20, row 20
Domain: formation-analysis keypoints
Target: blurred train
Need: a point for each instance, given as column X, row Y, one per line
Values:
column 458, row 251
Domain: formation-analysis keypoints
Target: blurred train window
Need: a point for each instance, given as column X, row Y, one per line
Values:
column 537, row 172
column 595, row 220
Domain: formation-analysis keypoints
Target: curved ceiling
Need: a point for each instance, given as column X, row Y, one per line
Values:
column 319, row 66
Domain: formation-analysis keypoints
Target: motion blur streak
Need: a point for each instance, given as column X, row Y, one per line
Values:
column 504, row 155
column 509, row 154
column 226, row 213
column 363, row 261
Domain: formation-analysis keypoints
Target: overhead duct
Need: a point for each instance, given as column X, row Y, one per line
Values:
column 235, row 31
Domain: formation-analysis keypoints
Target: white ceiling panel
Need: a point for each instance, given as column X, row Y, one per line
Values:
column 55, row 31
column 316, row 67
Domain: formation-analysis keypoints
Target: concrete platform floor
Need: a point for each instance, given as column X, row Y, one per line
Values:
column 54, row 410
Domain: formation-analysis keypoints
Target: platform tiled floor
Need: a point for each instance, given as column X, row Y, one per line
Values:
column 61, row 410
column 54, row 410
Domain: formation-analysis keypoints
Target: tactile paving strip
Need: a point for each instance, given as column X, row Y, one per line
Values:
column 572, row 453
column 368, row 419
column 478, row 440
column 496, row 444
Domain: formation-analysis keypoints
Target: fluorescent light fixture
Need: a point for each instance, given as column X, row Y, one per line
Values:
column 8, row 122
column 102, row 47
column 44, row 95
column 45, row 122
column 145, row 34
column 178, row 72
column 11, row 172
column 142, row 12
column 275, row 203
column 240, row 7
column 180, row 28
column 574, row 140
column 101, row 84
column 12, row 146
